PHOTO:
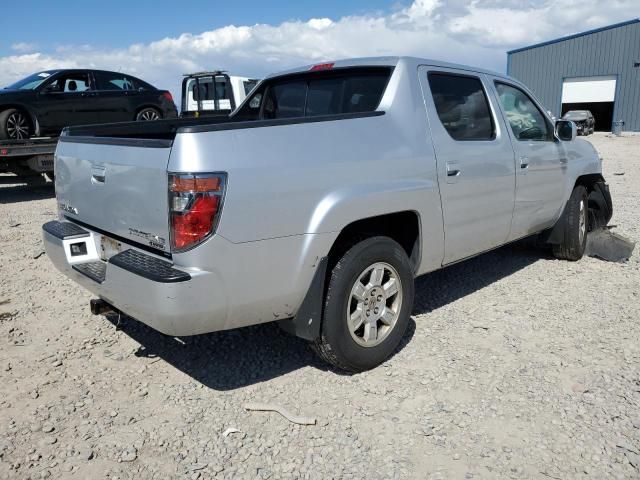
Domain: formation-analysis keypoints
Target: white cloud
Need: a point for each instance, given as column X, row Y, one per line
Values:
column 24, row 47
column 476, row 32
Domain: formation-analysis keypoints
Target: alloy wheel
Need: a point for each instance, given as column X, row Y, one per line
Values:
column 582, row 224
column 17, row 126
column 148, row 114
column 374, row 304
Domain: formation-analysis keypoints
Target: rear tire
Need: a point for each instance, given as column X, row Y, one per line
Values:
column 576, row 226
column 148, row 114
column 367, row 305
column 14, row 125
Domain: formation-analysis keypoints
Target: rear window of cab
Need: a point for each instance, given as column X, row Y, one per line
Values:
column 328, row 92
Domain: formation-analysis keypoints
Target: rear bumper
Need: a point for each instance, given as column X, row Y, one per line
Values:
column 175, row 302
column 217, row 286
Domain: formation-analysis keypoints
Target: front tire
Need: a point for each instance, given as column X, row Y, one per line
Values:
column 14, row 125
column 367, row 305
column 576, row 226
column 148, row 114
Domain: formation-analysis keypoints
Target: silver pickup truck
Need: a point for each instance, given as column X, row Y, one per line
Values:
column 318, row 201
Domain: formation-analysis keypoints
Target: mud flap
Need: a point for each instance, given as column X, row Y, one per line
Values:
column 306, row 323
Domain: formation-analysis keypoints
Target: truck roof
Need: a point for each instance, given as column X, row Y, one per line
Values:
column 388, row 61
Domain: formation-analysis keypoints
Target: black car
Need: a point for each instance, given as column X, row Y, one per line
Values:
column 46, row 102
column 585, row 123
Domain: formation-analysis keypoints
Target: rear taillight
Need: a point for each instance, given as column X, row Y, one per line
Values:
column 168, row 96
column 195, row 203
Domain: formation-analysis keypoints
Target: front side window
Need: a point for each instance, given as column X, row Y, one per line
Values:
column 462, row 106
column 526, row 120
column 70, row 83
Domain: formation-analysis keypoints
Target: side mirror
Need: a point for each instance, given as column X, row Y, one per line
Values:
column 566, row 130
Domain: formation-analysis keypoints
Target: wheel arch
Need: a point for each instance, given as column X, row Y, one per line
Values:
column 402, row 226
column 599, row 203
column 589, row 180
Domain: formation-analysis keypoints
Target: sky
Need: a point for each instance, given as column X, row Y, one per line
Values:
column 160, row 40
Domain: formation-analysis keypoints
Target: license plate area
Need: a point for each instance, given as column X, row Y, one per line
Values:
column 109, row 247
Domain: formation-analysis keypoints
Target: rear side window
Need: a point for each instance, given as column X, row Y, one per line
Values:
column 207, row 89
column 116, row 81
column 332, row 92
column 462, row 106
column 223, row 88
column 526, row 120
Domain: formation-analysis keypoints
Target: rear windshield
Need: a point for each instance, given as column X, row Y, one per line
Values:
column 577, row 114
column 333, row 92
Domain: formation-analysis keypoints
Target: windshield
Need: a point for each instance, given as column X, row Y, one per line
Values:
column 31, row 82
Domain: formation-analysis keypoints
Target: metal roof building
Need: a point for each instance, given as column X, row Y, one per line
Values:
column 597, row 70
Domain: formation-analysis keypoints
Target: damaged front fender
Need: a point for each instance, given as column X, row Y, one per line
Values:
column 600, row 205
column 600, row 211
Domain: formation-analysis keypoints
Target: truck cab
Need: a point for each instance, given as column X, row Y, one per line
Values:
column 213, row 93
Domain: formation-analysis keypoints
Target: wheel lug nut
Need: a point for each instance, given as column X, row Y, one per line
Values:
column 368, row 313
column 366, row 301
column 379, row 298
column 376, row 310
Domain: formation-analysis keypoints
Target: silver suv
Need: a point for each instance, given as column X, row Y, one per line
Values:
column 317, row 203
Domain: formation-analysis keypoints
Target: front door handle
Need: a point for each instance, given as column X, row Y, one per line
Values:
column 453, row 172
column 524, row 161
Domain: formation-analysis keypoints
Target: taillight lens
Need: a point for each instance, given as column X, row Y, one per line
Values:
column 168, row 96
column 195, row 203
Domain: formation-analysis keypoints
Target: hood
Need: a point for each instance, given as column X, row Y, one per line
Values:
column 6, row 94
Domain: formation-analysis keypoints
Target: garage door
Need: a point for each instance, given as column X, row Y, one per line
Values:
column 589, row 89
column 596, row 94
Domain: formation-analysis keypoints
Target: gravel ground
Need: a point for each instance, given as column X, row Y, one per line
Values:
column 516, row 366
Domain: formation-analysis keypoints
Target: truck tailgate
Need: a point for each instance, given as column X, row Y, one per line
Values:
column 116, row 185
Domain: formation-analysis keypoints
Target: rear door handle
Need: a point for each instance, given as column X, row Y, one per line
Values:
column 98, row 175
column 453, row 172
column 524, row 161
